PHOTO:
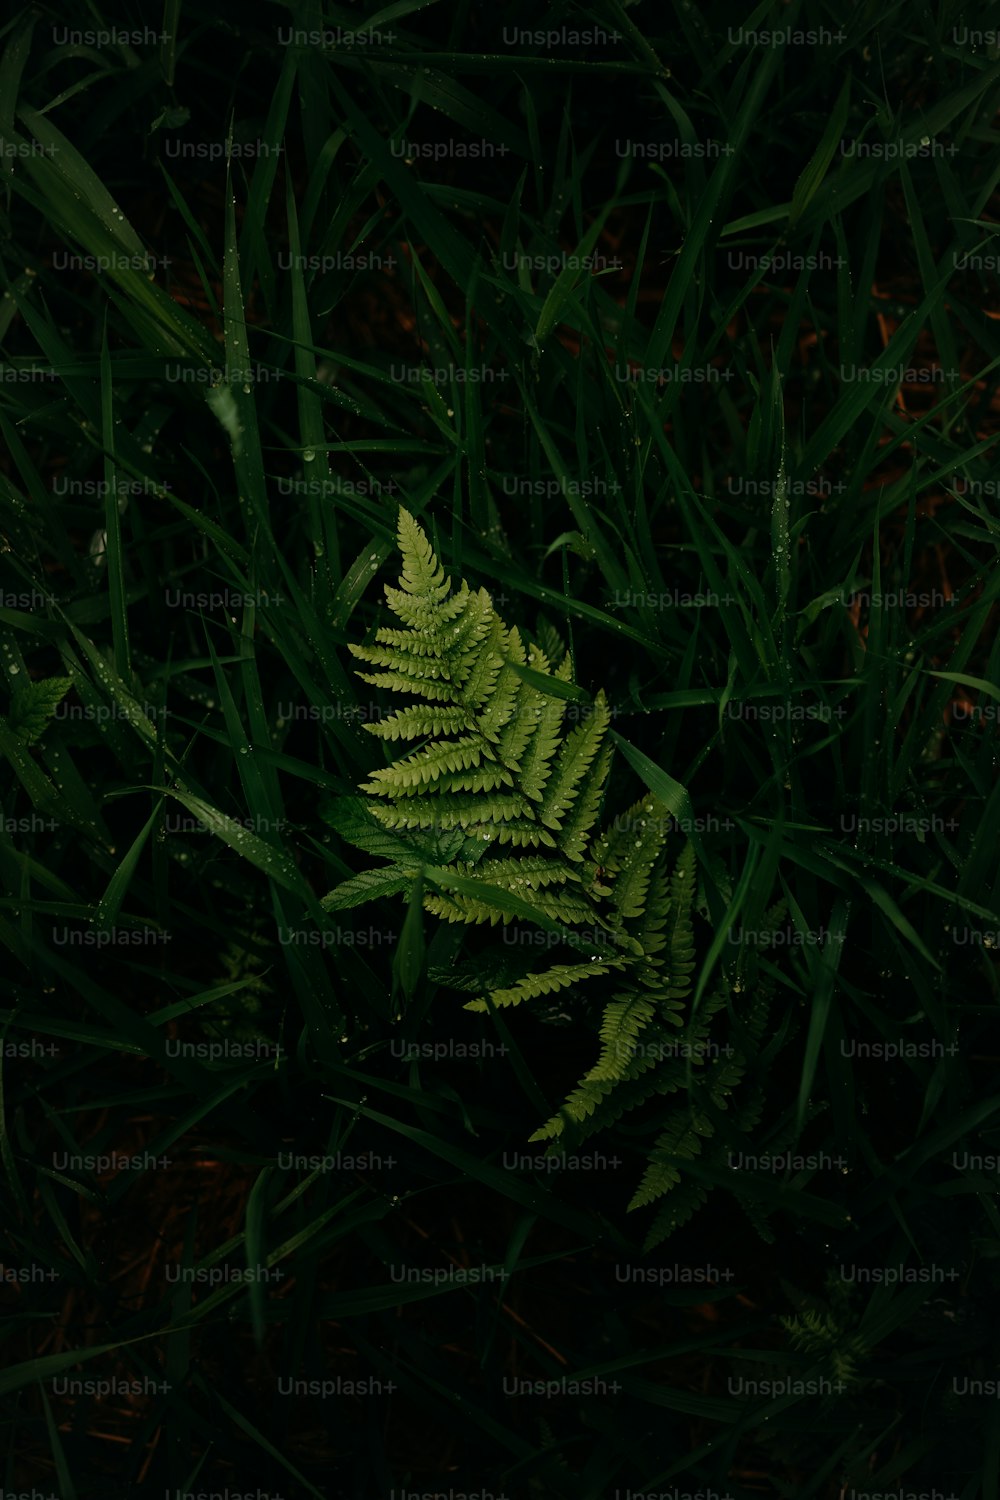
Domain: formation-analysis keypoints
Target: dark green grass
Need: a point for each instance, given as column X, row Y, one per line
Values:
column 756, row 473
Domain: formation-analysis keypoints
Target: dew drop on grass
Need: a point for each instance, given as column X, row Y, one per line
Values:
column 308, row 456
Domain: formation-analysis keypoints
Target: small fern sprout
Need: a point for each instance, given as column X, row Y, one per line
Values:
column 828, row 1331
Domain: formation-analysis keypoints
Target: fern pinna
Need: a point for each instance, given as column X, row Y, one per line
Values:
column 496, row 811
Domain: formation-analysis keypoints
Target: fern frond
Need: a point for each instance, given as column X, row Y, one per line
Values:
column 681, row 1205
column 519, row 833
column 579, row 821
column 562, row 976
column 458, row 810
column 437, row 766
column 679, row 933
column 33, row 705
column 637, row 1089
column 435, row 692
column 550, row 641
column 498, row 712
column 623, row 1020
column 464, row 909
column 525, row 716
column 352, row 819
column 422, row 574
column 368, row 886
column 485, row 667
column 537, row 761
column 534, row 872
column 585, row 1099
column 680, row 1141
column 635, row 861
column 819, row 1330
column 502, row 765
column 427, row 615
column 601, row 1099
column 652, row 932
column 418, row 722
column 575, row 756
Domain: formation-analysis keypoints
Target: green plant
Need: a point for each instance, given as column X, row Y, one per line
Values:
column 658, row 397
column 33, row 706
column 496, row 763
column 829, row 1329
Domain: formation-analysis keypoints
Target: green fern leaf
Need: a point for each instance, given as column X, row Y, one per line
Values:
column 433, row 765
column 422, row 574
column 636, row 860
column 681, row 1205
column 579, row 821
column 561, row 977
column 419, row 722
column 503, row 784
column 594, row 1106
column 578, row 751
column 623, row 1020
column 681, row 1140
column 33, row 706
column 435, row 692
column 370, row 885
column 679, row 933
column 537, row 762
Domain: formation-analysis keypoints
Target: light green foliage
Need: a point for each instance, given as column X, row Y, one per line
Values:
column 33, row 705
column 499, row 760
column 829, row 1330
